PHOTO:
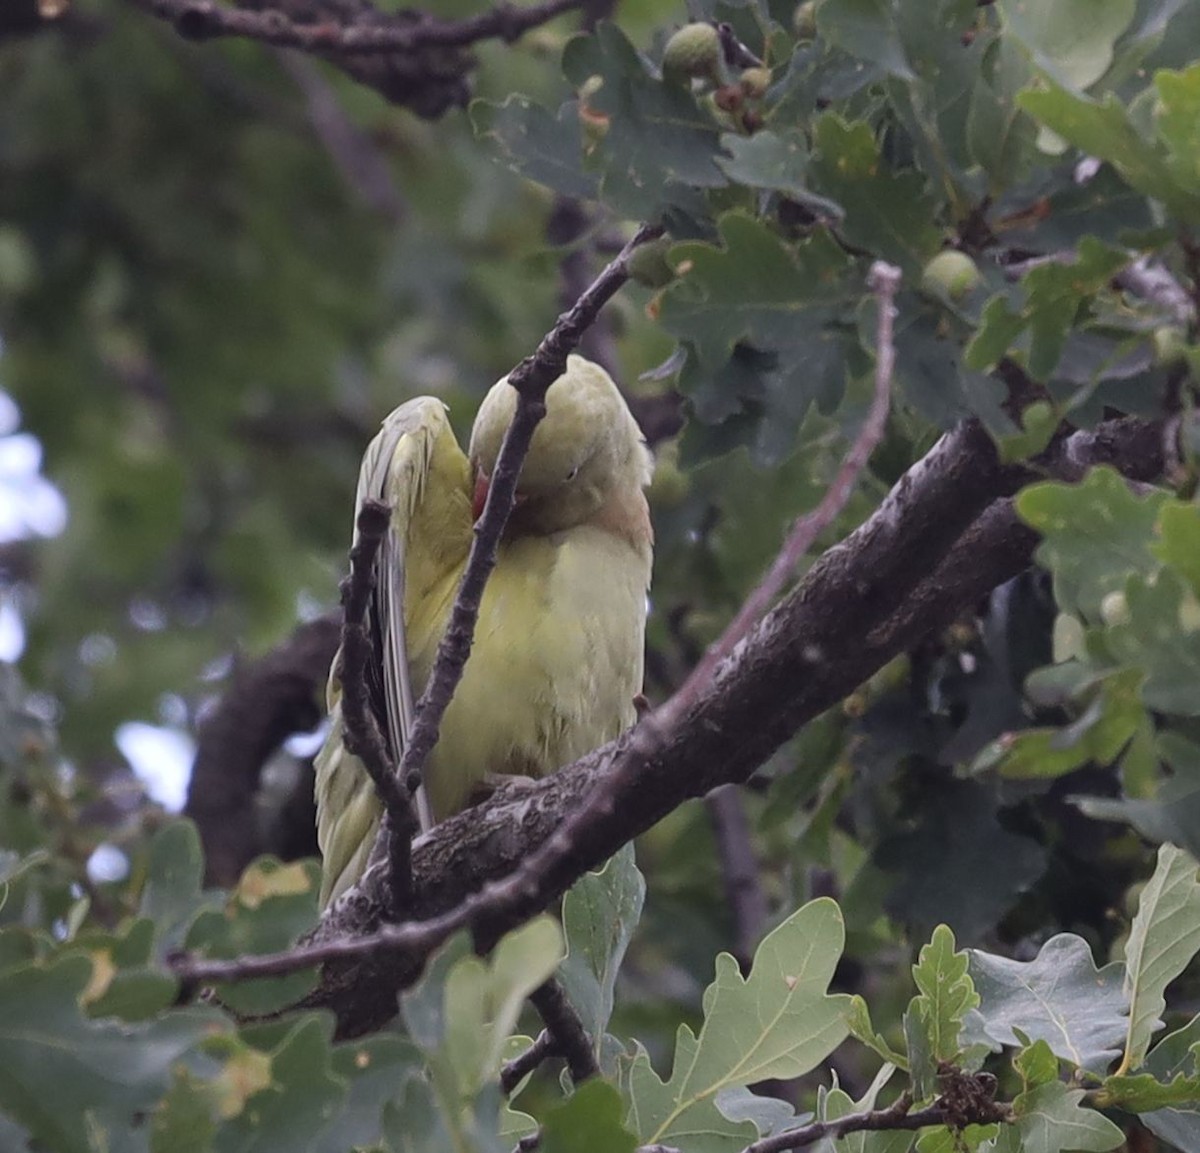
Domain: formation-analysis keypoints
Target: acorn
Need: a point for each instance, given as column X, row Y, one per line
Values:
column 754, row 82
column 693, row 52
column 951, row 274
column 1170, row 345
column 804, row 20
column 648, row 263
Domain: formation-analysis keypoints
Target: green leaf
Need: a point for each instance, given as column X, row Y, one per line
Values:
column 172, row 895
column 1038, row 423
column 919, row 1045
column 1054, row 294
column 661, row 148
column 272, row 905
column 998, row 329
column 1000, row 136
column 866, row 29
column 185, row 1121
column 1179, row 540
column 1070, row 40
column 1094, row 534
column 1036, row 1064
column 778, row 1022
column 837, row 1103
column 589, row 1121
column 1162, row 636
column 946, row 993
column 777, row 161
column 1107, row 131
column 1108, row 723
column 1173, row 813
column 1050, row 1118
column 544, row 148
column 1164, row 937
column 1144, row 1093
column 759, row 318
column 1059, row 997
column 859, row 1021
column 124, row 983
column 600, row 912
column 1177, row 119
column 890, row 214
column 376, row 1069
column 484, row 998
column 944, row 867
column 300, row 1101
column 70, row 1080
column 1175, row 1056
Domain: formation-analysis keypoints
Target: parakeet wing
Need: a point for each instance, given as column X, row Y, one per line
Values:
column 415, row 465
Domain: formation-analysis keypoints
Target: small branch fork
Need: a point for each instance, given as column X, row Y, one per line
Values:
column 361, row 735
column 564, row 1036
column 977, row 1109
column 982, row 1110
column 207, row 19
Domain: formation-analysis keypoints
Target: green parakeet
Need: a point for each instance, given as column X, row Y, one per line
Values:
column 558, row 652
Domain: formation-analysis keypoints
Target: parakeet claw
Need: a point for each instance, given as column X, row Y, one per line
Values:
column 493, row 783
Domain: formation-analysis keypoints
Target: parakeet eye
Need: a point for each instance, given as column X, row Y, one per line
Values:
column 573, row 473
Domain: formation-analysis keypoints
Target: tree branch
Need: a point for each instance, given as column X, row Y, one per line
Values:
column 943, row 537
column 361, row 734
column 383, row 33
column 883, row 280
column 739, row 871
column 265, row 702
column 514, row 1071
column 976, row 1108
column 563, row 1023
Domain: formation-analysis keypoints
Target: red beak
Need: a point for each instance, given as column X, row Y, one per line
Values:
column 482, row 483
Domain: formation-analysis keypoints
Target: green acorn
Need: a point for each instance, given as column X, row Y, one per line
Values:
column 950, row 274
column 754, row 82
column 693, row 52
column 648, row 263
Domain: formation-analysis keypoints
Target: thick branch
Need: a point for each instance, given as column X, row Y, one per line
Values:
column 206, row 19
column 267, row 700
column 941, row 539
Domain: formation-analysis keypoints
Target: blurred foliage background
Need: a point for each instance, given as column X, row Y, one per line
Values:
column 222, row 263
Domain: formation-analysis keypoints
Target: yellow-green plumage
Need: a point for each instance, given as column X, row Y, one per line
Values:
column 557, row 658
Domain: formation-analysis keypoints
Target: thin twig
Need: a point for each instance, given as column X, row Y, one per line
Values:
column 206, row 19
column 563, row 1023
column 895, row 1117
column 883, row 280
column 531, row 379
column 739, row 871
column 353, row 153
column 361, row 733
column 513, row 1072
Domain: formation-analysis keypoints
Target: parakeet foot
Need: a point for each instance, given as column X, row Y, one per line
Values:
column 493, row 783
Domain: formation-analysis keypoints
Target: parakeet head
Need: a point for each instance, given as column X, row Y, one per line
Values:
column 587, row 446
